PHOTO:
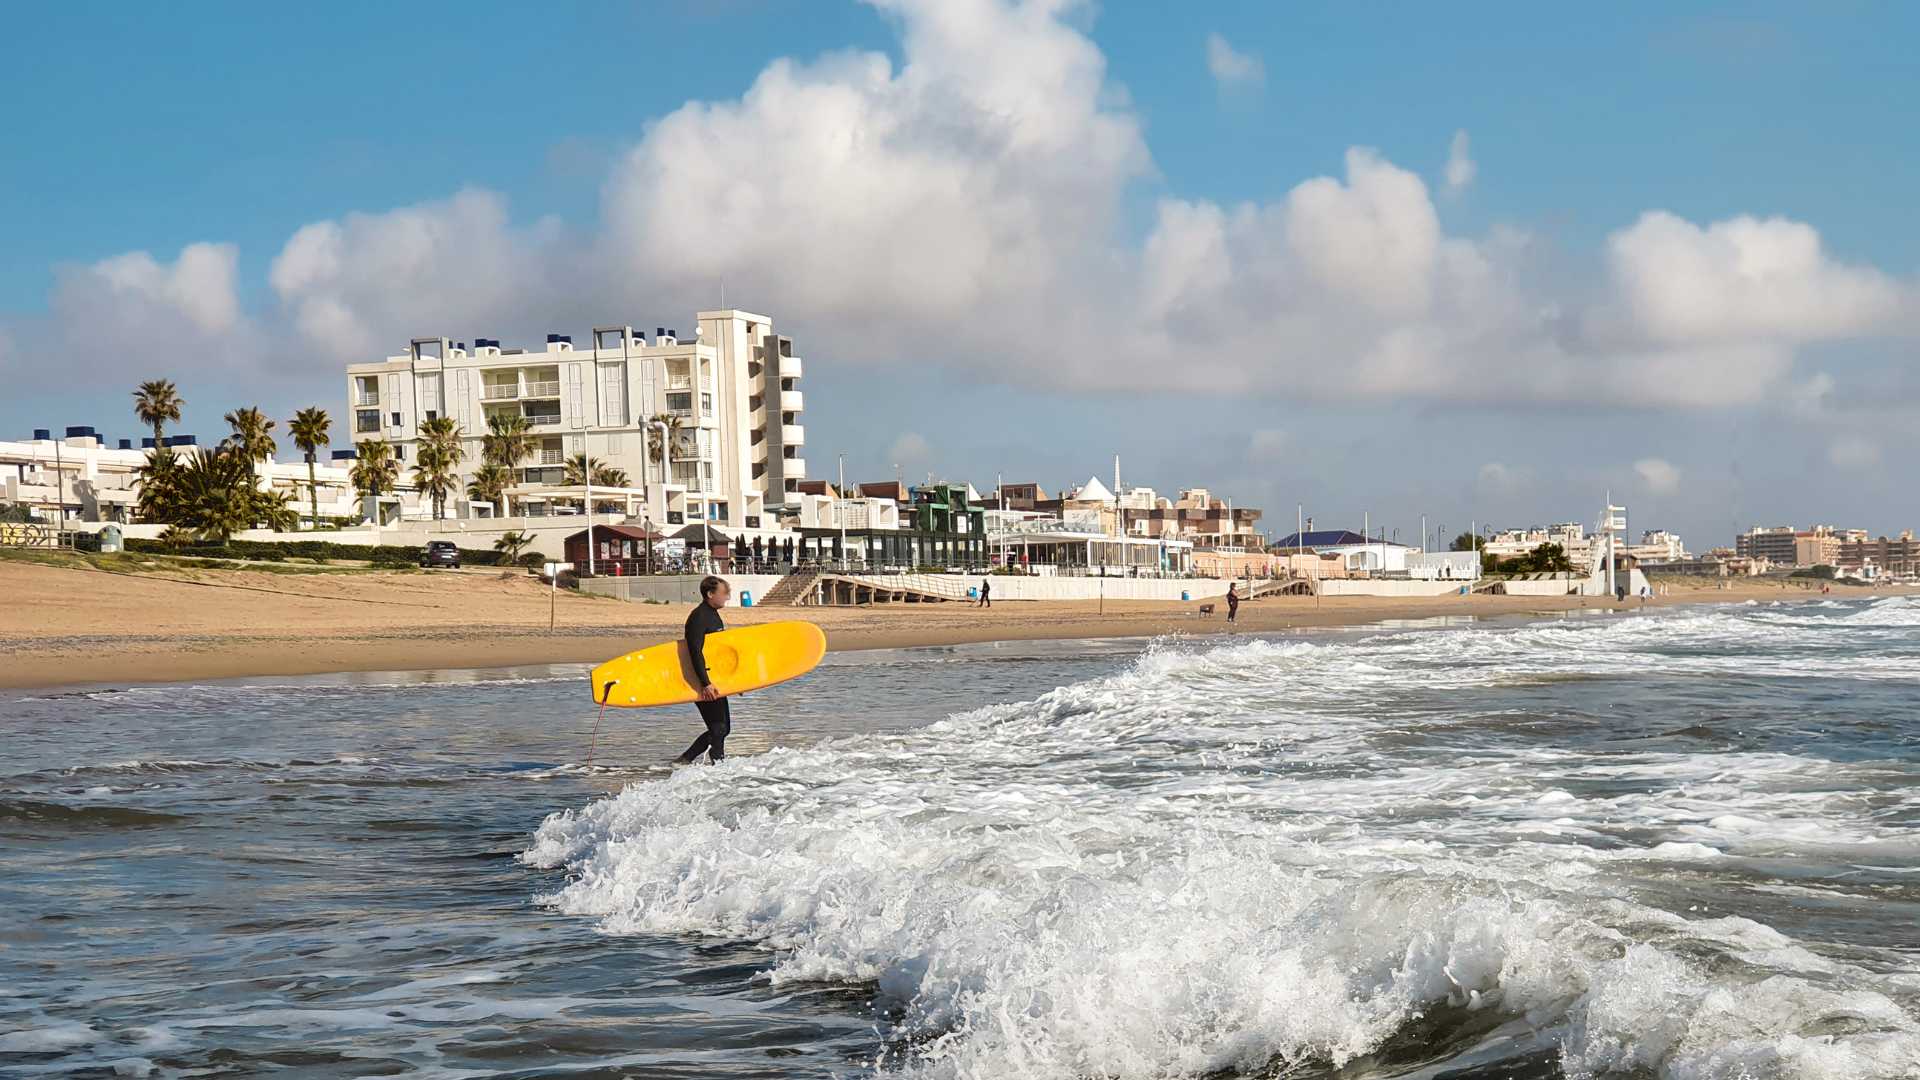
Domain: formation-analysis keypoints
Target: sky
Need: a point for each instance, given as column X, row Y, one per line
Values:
column 1473, row 265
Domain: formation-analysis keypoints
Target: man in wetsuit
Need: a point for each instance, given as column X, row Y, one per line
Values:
column 1233, row 603
column 705, row 620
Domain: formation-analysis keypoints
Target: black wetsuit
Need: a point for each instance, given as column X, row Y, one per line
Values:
column 713, row 741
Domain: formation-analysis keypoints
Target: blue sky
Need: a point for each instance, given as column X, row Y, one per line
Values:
column 151, row 129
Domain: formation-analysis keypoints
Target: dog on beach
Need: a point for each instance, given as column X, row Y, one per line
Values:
column 1206, row 609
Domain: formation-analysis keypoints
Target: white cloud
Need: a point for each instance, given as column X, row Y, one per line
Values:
column 1231, row 68
column 1660, row 476
column 1746, row 279
column 1853, row 452
column 132, row 315
column 358, row 289
column 966, row 208
column 1460, row 165
column 910, row 448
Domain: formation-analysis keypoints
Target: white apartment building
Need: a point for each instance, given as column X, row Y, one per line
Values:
column 731, row 390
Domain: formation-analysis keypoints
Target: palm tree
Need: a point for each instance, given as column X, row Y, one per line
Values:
column 489, row 484
column 511, row 544
column 603, row 474
column 656, row 447
column 252, row 436
column 508, row 442
column 436, row 466
column 157, row 404
column 309, row 430
column 216, row 494
column 159, row 491
column 374, row 469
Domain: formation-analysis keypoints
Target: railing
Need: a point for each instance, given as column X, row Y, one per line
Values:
column 499, row 392
column 543, row 419
column 553, row 457
column 543, row 389
column 364, row 398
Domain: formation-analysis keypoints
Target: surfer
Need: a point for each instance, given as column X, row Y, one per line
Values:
column 704, row 620
column 1233, row 603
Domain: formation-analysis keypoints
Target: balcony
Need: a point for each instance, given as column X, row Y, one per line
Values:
column 553, row 457
column 365, row 399
column 551, row 419
column 499, row 392
column 790, row 367
column 791, row 401
column 793, row 468
column 793, row 435
column 679, row 382
column 759, row 451
column 543, row 389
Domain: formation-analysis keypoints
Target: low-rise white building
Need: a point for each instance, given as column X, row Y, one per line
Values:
column 93, row 481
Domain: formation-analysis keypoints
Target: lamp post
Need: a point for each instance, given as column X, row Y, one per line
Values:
column 840, row 508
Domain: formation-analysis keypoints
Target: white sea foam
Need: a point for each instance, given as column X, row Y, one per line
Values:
column 1219, row 860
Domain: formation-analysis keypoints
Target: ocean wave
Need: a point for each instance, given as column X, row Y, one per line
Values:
column 1214, row 862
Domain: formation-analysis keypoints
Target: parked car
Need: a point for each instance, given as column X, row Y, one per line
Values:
column 440, row 553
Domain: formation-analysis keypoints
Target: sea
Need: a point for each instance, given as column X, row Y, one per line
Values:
column 1675, row 843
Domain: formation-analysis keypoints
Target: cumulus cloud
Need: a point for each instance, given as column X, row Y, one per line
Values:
column 136, row 315
column 1233, row 69
column 359, row 288
column 1746, row 280
column 1660, row 476
column 967, row 207
column 1460, row 165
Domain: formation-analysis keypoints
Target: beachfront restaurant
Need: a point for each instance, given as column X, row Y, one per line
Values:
column 879, row 550
column 1067, row 551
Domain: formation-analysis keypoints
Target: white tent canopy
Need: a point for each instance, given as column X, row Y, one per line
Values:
column 1093, row 491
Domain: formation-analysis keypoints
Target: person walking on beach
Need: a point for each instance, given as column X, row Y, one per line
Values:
column 1233, row 603
column 704, row 620
column 986, row 593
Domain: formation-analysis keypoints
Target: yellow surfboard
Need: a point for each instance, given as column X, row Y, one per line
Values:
column 749, row 658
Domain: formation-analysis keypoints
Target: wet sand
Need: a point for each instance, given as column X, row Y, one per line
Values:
column 67, row 625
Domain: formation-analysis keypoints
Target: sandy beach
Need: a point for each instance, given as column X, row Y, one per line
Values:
column 65, row 625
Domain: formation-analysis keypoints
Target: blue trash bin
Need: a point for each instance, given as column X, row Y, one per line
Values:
column 1185, row 595
column 746, row 599
column 973, row 594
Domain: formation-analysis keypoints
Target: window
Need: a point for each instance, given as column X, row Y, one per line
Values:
column 613, row 394
column 706, row 403
column 433, row 414
column 681, row 402
column 366, row 421
column 394, row 419
column 399, row 451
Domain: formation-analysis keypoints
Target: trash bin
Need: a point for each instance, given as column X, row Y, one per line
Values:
column 973, row 594
column 110, row 538
column 1185, row 595
column 746, row 599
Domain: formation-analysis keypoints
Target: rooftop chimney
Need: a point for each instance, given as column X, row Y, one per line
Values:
column 41, row 433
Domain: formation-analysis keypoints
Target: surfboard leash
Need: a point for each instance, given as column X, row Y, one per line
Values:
column 606, row 695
